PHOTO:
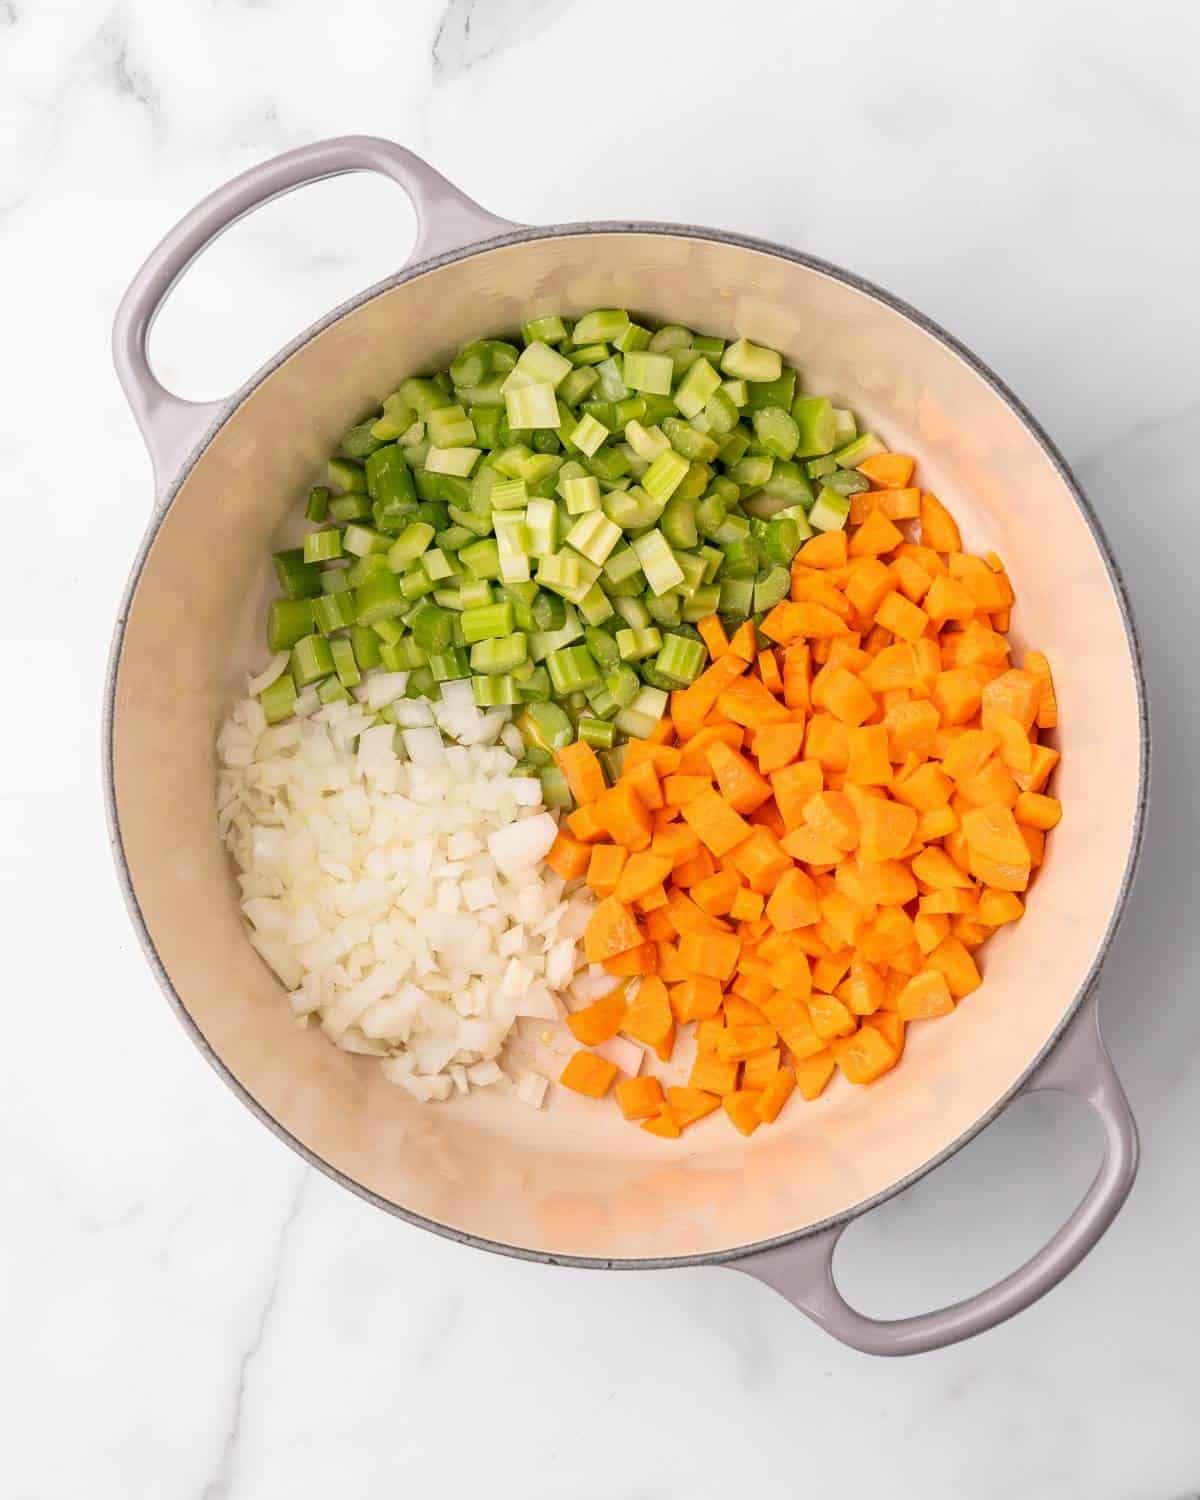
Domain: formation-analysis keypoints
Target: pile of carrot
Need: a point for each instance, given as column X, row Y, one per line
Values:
column 804, row 857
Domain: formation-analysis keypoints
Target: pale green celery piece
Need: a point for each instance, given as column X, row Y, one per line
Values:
column 776, row 431
column 509, row 460
column 682, row 360
column 746, row 361
column 771, row 589
column 450, row 427
column 397, row 417
column 542, row 642
column 720, row 413
column 470, row 365
column 509, row 494
column 603, row 326
column 657, row 561
column 347, row 476
column 495, row 692
column 595, row 605
column 513, row 545
column 711, row 348
column 547, row 330
column 753, row 471
column 541, row 519
column 500, row 654
column 458, row 461
column 633, row 612
column 474, row 592
column 857, row 452
column 581, row 494
column 278, row 699
column 562, row 572
column 701, row 422
column 664, row 475
column 632, row 508
column 532, row 406
column 646, row 442
column 436, row 564
column 817, row 426
column 712, row 558
column 736, row 391
column 704, row 602
column 621, row 565
column 612, row 386
column 694, row 482
column 671, row 336
column 360, row 541
column 637, row 466
column 681, row 659
column 639, row 719
column 589, row 434
column 830, row 511
column 539, row 466
column 587, row 354
column 692, row 568
column 488, row 392
column 636, row 645
column 646, row 371
column 594, row 536
column 737, row 596
column 423, row 396
column 845, row 426
column 541, row 363
column 633, row 337
column 697, row 385
column 695, row 446
column 577, row 385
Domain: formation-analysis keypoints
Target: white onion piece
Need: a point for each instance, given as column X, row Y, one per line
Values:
column 273, row 669
column 531, row 1089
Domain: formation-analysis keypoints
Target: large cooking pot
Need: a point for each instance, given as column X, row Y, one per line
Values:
column 575, row 1185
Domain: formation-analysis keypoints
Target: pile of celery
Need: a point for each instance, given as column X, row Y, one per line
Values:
column 550, row 519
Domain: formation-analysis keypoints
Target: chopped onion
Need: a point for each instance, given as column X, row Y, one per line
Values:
column 273, row 669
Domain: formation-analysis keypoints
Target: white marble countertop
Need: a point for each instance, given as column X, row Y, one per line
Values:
column 185, row 1308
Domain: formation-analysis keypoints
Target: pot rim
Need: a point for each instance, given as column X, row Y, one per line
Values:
column 895, row 304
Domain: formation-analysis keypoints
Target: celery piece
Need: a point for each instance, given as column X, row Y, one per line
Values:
column 847, row 482
column 665, row 609
column 379, row 597
column 710, row 515
column 648, row 443
column 595, row 605
column 695, row 446
column 711, row 348
column 771, row 589
column 720, row 413
column 595, row 536
column 397, row 417
column 389, row 478
column 830, row 511
column 362, row 567
column 734, row 445
column 549, row 612
column 556, row 793
column 781, row 541
column 621, row 565
column 288, row 620
column 623, row 684
column 499, row 654
column 471, row 521
column 509, row 494
column 482, row 558
column 632, row 337
column 486, row 403
column 788, row 482
column 423, row 396
column 858, row 451
column 336, row 579
column 318, row 504
column 776, row 431
column 742, row 558
column 572, row 668
column 578, row 384
column 639, row 719
column 332, row 691
column 845, row 427
column 362, row 541
column 389, row 630
column 347, row 475
column 737, row 391
column 365, row 644
column 334, row 612
column 453, row 538
column 603, row 326
column 813, row 416
column 494, row 692
column 692, row 566
column 410, row 544
column 632, row 509
column 536, row 687
column 532, row 406
column 697, row 385
column 704, row 602
column 278, row 699
column 311, row 660
column 607, row 465
column 818, row 468
column 588, row 354
column 679, row 521
column 450, row 427
column 415, row 582
column 539, row 363
column 664, row 475
column 456, row 461
column 487, row 621
column 671, row 336
column 644, row 371
column 636, row 644
column 798, row 514
column 633, row 409
column 470, row 365
column 541, row 519
column 581, row 494
column 694, row 482
column 604, row 648
column 737, row 595
column 344, row 663
column 681, row 659
column 487, row 425
column 596, row 732
column 472, row 592
column 432, row 628
column 779, row 392
column 449, row 665
column 746, row 361
column 611, row 384
column 549, row 329
column 753, row 471
column 298, row 579
column 421, row 684
column 657, row 561
column 545, row 727
column 521, row 597
column 732, row 529
column 601, row 702
column 589, row 434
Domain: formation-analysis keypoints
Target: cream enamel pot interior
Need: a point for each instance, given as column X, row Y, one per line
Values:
column 575, row 1184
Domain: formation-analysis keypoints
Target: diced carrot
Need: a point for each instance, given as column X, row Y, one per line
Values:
column 588, row 1074
column 600, row 1021
column 865, row 1056
column 793, row 902
column 696, row 870
column 747, row 702
column 775, row 1095
column 585, row 826
column 747, row 905
column 797, row 673
column 738, row 1042
column 719, row 827
column 624, row 817
column 759, row 1070
column 641, row 873
column 761, row 860
column 876, row 535
column 691, row 1104
column 960, row 969
column 665, row 1123
column 664, row 758
column 677, row 843
column 695, row 755
column 825, row 551
column 769, row 673
column 680, row 790
column 585, row 775
column 644, row 781
column 813, row 1073
column 716, row 894
column 948, row 599
column 648, row 1017
column 640, row 960
column 713, row 1074
column 742, row 787
column 711, row 953
column 925, row 995
column 712, row 633
column 686, row 916
column 611, row 930
column 1038, row 667
column 891, row 471
column 639, row 1098
column 847, row 698
column 827, row 742
column 604, row 868
column 568, row 857
column 742, row 1108
column 885, row 828
column 901, row 617
column 793, row 786
column 938, row 528
column 696, row 998
column 1015, row 693
column 957, row 695
column 742, row 642
column 998, row 907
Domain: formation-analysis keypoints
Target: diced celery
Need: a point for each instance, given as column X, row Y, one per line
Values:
column 572, row 668
column 595, row 605
column 858, row 451
column 549, row 330
column 278, row 699
column 589, row 434
column 532, row 406
column 639, row 719
column 450, row 665
column 697, row 385
column 746, row 361
column 603, row 326
column 704, row 602
column 595, row 536
column 771, row 589
column 776, row 431
column 288, row 620
column 585, row 355
column 297, row 579
column 830, row 511
column 577, row 385
column 334, row 612
column 538, row 363
column 645, row 371
column 695, row 446
column 581, row 494
column 635, row 645
column 847, row 482
column 679, row 521
column 671, row 336
column 495, row 692
column 450, row 427
column 778, row 392
column 633, row 336
column 753, row 471
column 311, row 660
column 541, row 521
column 664, row 475
column 487, row 621
column 610, row 382
column 657, row 561
column 345, row 474
column 845, row 427
column 457, row 461
column 597, row 733
column 322, row 546
column 632, row 508
column 692, row 566
column 814, row 419
column 789, row 483
column 499, row 654
column 397, row 417
column 379, row 597
column 681, row 659
column 366, row 647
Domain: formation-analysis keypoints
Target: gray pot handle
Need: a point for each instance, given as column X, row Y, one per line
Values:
column 803, row 1272
column 446, row 219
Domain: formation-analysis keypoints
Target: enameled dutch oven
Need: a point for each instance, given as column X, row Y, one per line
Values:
column 575, row 1185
